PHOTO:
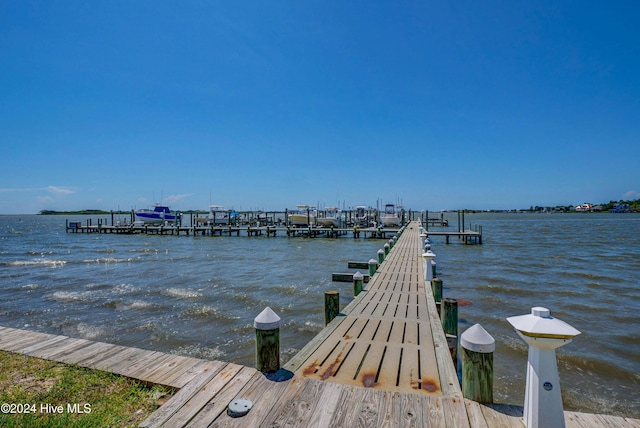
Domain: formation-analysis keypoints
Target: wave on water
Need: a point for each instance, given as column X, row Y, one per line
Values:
column 106, row 260
column 134, row 305
column 203, row 312
column 43, row 262
column 588, row 386
column 182, row 293
column 71, row 296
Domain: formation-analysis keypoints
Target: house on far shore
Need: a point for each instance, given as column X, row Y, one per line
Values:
column 621, row 208
column 586, row 207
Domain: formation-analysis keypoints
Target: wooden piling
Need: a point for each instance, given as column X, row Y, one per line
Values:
column 436, row 287
column 267, row 325
column 449, row 318
column 331, row 305
column 477, row 364
column 373, row 266
column 358, row 279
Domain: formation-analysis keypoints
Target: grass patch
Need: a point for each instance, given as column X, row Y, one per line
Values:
column 44, row 393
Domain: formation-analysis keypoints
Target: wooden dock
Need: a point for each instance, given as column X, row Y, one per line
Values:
column 383, row 361
column 469, row 236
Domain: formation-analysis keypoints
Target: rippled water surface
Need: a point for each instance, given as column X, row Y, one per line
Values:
column 198, row 296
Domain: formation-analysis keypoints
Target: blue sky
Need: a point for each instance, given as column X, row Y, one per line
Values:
column 265, row 105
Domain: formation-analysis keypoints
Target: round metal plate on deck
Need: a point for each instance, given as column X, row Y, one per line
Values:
column 239, row 407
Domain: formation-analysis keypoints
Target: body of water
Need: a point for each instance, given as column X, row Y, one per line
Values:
column 198, row 296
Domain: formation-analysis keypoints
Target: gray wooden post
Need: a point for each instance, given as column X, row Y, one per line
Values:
column 267, row 325
column 477, row 364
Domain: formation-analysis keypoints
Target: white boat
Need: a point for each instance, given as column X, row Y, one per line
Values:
column 304, row 215
column 331, row 216
column 390, row 217
column 218, row 215
column 361, row 216
column 159, row 214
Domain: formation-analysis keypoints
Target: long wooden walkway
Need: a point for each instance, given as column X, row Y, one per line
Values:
column 385, row 338
column 382, row 362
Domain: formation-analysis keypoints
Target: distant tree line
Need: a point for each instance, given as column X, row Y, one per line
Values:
column 611, row 206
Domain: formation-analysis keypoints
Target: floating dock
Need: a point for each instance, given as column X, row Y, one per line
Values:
column 383, row 361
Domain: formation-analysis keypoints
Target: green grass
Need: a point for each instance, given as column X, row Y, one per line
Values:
column 89, row 398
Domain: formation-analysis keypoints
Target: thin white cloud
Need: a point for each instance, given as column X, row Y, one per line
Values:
column 61, row 190
column 631, row 194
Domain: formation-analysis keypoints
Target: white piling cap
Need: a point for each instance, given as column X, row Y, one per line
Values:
column 428, row 255
column 539, row 323
column 267, row 320
column 476, row 339
column 373, row 262
column 358, row 276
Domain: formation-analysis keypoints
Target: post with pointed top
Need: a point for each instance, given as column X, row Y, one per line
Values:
column 380, row 256
column 373, row 266
column 477, row 364
column 267, row 325
column 543, row 334
column 358, row 279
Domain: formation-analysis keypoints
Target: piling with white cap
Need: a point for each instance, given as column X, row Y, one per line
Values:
column 267, row 325
column 543, row 334
column 373, row 266
column 477, row 364
column 358, row 279
column 428, row 271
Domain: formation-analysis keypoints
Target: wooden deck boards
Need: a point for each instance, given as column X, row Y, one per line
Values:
column 386, row 340
column 382, row 363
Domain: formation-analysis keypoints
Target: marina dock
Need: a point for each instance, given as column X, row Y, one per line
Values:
column 468, row 236
column 383, row 361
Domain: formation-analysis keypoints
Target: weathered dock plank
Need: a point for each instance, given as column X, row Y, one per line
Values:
column 385, row 342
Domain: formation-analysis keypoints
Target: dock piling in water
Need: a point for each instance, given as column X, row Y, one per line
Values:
column 477, row 364
column 358, row 279
column 373, row 267
column 449, row 318
column 331, row 305
column 267, row 325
